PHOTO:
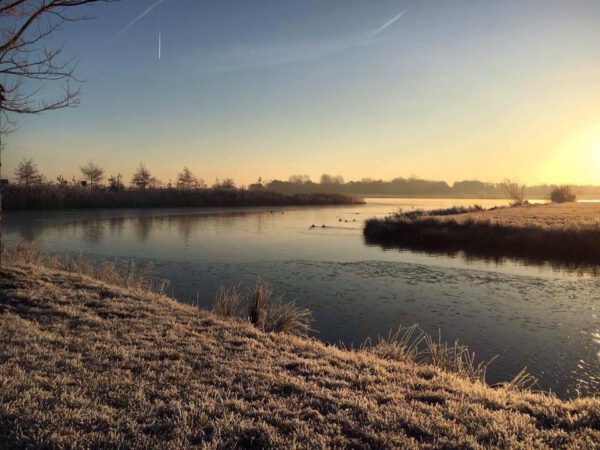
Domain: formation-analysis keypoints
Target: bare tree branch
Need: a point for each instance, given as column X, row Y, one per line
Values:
column 26, row 59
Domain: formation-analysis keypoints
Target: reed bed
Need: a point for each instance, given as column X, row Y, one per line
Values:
column 537, row 237
column 46, row 196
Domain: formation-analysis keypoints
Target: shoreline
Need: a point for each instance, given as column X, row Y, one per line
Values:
column 78, row 354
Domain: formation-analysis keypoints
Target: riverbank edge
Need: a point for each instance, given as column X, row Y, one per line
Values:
column 87, row 364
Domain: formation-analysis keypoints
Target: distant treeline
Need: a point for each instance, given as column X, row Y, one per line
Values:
column 56, row 196
column 417, row 188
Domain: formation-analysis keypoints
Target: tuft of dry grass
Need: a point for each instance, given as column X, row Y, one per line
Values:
column 262, row 309
column 227, row 302
column 413, row 344
column 85, row 364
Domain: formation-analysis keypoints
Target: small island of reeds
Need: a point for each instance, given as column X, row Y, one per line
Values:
column 567, row 233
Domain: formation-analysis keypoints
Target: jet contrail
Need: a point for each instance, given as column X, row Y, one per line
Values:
column 159, row 44
column 138, row 18
column 387, row 24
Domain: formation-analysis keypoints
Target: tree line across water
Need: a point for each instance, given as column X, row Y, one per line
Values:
column 27, row 174
column 32, row 191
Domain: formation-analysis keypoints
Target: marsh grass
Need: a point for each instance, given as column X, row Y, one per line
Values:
column 227, row 301
column 413, row 344
column 567, row 235
column 126, row 274
column 48, row 196
column 262, row 309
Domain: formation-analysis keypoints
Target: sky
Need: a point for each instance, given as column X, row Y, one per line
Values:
column 440, row 89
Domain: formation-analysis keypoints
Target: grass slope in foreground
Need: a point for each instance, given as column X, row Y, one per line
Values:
column 90, row 365
column 567, row 233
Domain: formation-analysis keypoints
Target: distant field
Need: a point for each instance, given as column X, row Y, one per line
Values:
column 553, row 215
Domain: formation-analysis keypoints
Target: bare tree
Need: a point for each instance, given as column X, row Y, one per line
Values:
column 27, row 173
column 186, row 179
column 28, row 65
column 115, row 183
column 514, row 191
column 142, row 178
column 226, row 183
column 93, row 173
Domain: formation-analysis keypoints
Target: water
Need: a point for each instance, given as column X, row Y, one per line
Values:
column 535, row 316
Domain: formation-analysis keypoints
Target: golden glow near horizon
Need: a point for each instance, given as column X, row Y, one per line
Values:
column 433, row 89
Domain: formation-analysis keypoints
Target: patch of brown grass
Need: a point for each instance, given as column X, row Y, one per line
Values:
column 86, row 364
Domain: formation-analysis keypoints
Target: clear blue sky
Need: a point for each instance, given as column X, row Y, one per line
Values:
column 440, row 89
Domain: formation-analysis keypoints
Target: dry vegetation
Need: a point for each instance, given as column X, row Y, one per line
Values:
column 563, row 215
column 51, row 196
column 565, row 234
column 84, row 363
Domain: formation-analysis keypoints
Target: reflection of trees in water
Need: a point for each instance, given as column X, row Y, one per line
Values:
column 92, row 231
column 142, row 226
column 29, row 232
column 95, row 229
column 116, row 225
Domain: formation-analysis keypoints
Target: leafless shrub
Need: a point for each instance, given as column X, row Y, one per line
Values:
column 562, row 194
column 514, row 191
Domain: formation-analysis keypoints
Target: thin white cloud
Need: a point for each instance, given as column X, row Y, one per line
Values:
column 147, row 11
column 388, row 24
column 248, row 57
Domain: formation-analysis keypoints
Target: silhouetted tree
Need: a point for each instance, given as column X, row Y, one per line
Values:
column 227, row 183
column 142, row 177
column 27, row 172
column 28, row 64
column 93, row 173
column 299, row 179
column 330, row 179
column 62, row 181
column 562, row 194
column 115, row 183
column 186, row 179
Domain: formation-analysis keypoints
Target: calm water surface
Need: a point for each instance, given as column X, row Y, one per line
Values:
column 540, row 317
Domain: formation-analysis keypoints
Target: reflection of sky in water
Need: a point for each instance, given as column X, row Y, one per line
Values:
column 529, row 315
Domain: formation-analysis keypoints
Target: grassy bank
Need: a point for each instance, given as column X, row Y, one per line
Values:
column 85, row 363
column 46, row 196
column 565, row 233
